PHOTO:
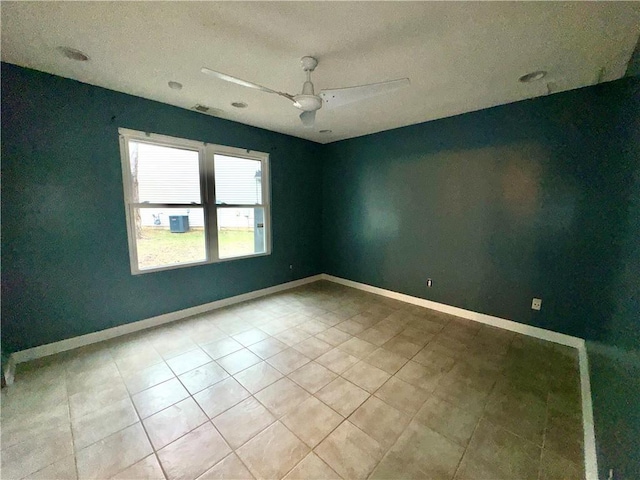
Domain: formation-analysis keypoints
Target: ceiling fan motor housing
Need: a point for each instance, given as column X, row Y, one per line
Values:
column 308, row 100
column 308, row 103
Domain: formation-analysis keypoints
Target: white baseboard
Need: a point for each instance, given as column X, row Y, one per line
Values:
column 590, row 459
column 82, row 340
column 590, row 456
column 541, row 333
column 9, row 372
column 591, row 467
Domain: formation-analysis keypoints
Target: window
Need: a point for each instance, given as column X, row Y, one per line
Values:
column 190, row 203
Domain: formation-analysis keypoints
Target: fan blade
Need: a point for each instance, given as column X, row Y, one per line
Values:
column 244, row 83
column 344, row 96
column 308, row 118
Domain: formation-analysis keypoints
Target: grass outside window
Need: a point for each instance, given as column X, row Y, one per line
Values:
column 159, row 246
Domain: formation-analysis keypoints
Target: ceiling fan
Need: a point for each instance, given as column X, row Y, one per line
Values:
column 308, row 101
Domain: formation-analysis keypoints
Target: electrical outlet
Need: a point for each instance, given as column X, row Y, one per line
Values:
column 429, row 283
column 536, row 304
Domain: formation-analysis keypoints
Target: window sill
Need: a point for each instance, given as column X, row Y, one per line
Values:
column 196, row 264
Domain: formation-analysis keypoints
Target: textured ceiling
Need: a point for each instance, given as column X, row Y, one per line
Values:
column 459, row 56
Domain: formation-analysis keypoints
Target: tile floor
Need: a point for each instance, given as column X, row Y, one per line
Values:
column 318, row 382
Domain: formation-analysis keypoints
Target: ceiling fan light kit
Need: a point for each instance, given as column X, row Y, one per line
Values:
column 308, row 101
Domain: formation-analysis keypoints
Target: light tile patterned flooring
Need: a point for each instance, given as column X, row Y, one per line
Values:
column 318, row 382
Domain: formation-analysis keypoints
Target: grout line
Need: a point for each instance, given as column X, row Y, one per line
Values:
column 190, row 395
column 155, row 454
column 412, row 417
column 505, row 324
column 144, row 429
column 118, row 369
column 297, row 437
column 484, row 406
column 234, row 453
column 149, row 323
column 466, row 449
column 311, row 395
column 544, row 435
column 589, row 450
column 73, row 446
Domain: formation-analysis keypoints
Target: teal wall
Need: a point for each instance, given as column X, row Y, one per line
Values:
column 65, row 260
column 538, row 198
column 615, row 356
column 615, row 390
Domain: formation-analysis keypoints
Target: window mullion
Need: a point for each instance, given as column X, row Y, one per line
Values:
column 207, row 205
column 211, row 209
column 204, row 193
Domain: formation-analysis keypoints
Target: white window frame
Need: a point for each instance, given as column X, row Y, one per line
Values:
column 206, row 153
